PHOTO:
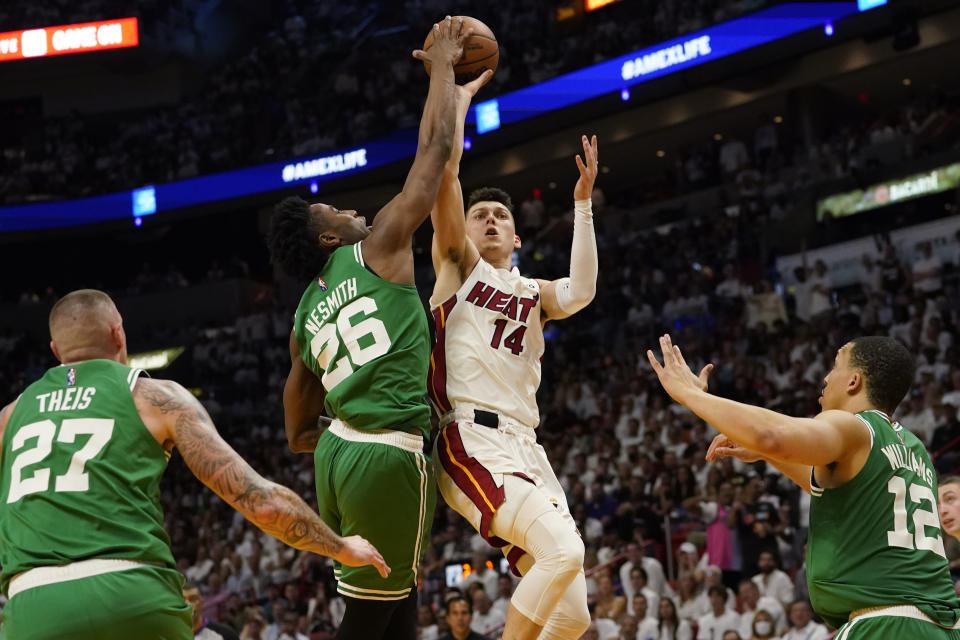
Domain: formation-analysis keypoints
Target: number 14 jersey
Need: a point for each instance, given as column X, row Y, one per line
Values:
column 876, row 540
column 489, row 345
column 80, row 473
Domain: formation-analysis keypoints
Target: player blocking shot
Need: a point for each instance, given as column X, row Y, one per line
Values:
column 485, row 372
column 876, row 566
column 83, row 450
column 359, row 352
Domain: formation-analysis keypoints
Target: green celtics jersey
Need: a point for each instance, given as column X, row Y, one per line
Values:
column 80, row 473
column 876, row 540
column 367, row 339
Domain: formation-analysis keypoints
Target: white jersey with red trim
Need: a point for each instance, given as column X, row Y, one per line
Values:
column 489, row 346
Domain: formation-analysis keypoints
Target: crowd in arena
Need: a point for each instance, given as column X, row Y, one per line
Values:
column 676, row 547
column 672, row 541
column 296, row 94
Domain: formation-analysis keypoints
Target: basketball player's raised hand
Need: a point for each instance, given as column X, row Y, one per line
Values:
column 588, row 169
column 465, row 92
column 675, row 376
column 358, row 552
column 724, row 447
column 447, row 45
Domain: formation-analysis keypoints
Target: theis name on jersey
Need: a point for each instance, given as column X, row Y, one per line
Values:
column 489, row 297
column 335, row 298
column 69, row 399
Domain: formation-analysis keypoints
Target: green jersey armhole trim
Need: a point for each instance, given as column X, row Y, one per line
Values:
column 816, row 490
column 358, row 257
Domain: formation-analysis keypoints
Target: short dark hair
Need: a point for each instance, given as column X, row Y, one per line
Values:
column 190, row 585
column 719, row 589
column 639, row 570
column 887, row 368
column 293, row 242
column 490, row 194
column 951, row 479
column 462, row 599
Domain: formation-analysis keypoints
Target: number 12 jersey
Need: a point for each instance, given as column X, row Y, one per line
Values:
column 876, row 540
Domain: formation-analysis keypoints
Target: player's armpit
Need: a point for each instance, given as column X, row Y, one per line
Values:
column 303, row 401
column 276, row 510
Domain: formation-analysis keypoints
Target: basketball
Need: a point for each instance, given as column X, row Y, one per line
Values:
column 480, row 51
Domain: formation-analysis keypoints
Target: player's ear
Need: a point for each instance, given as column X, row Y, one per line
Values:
column 516, row 242
column 856, row 383
column 56, row 354
column 329, row 239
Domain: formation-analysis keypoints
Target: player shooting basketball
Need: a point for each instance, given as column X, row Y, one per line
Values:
column 485, row 372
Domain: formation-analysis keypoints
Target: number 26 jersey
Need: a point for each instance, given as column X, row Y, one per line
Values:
column 489, row 345
column 367, row 340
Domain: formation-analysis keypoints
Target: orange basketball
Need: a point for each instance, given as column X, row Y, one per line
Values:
column 480, row 51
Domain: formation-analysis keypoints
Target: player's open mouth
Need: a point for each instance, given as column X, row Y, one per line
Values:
column 492, row 232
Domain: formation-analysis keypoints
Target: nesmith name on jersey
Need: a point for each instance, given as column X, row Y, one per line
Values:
column 69, row 399
column 900, row 457
column 335, row 298
column 489, row 297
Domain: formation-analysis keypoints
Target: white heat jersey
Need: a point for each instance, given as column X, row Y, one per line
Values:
column 489, row 345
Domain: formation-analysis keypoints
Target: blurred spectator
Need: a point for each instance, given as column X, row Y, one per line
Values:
column 802, row 626
column 720, row 619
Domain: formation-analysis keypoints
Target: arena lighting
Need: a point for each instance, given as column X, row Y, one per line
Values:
column 593, row 5
column 605, row 78
column 693, row 49
column 153, row 360
column 69, row 38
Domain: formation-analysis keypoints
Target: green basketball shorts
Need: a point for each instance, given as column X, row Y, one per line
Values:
column 379, row 485
column 141, row 603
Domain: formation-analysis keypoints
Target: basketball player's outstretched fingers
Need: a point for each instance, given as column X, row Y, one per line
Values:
column 358, row 552
column 474, row 85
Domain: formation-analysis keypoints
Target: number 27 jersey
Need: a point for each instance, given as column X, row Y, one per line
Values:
column 489, row 345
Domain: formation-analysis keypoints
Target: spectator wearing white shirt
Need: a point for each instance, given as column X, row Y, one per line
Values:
column 720, row 619
column 486, row 620
column 752, row 602
column 926, row 270
column 821, row 293
column 646, row 625
column 481, row 574
column 763, row 628
column 505, row 586
column 655, row 579
column 802, row 625
column 733, row 157
column 669, row 625
column 869, row 275
column 773, row 582
column 638, row 587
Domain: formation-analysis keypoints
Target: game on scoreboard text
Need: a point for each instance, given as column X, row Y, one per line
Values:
column 69, row 38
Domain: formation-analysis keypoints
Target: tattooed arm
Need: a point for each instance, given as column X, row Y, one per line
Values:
column 176, row 417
